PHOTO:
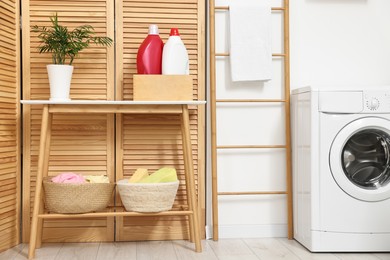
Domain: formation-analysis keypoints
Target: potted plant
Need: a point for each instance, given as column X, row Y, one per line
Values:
column 64, row 46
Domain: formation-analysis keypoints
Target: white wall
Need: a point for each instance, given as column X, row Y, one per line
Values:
column 336, row 42
column 333, row 42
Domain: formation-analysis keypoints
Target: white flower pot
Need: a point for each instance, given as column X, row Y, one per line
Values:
column 60, row 77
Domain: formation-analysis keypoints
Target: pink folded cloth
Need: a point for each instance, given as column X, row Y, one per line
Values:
column 68, row 177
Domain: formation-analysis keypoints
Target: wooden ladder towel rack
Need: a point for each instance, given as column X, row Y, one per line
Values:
column 286, row 101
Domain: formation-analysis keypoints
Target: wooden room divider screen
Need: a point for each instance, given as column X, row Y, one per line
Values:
column 82, row 143
column 9, row 124
column 283, row 101
column 150, row 141
column 100, row 144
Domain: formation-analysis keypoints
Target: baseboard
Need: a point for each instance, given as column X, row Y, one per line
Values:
column 209, row 232
column 252, row 231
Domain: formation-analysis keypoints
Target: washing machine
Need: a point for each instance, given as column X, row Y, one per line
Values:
column 341, row 168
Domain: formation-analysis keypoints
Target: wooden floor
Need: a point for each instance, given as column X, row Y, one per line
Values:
column 224, row 249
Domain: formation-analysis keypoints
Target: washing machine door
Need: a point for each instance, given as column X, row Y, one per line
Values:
column 359, row 159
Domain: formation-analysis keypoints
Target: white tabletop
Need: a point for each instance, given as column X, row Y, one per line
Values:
column 110, row 102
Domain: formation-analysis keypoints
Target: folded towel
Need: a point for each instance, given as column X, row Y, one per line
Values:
column 97, row 179
column 68, row 177
column 250, row 40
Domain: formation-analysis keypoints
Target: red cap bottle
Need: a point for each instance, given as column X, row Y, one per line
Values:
column 175, row 60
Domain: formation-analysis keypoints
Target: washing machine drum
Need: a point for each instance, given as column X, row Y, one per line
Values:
column 360, row 159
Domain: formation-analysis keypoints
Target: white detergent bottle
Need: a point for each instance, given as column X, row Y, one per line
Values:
column 175, row 56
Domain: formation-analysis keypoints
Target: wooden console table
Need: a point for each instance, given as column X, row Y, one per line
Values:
column 122, row 107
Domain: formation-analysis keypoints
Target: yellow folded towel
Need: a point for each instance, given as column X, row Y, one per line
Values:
column 97, row 179
column 161, row 175
column 139, row 174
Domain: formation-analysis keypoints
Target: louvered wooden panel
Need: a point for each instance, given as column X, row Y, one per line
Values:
column 80, row 143
column 155, row 141
column 9, row 124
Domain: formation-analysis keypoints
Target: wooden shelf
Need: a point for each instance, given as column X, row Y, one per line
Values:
column 112, row 102
column 116, row 214
column 116, row 107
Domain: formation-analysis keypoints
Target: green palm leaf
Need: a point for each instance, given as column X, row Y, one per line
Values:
column 65, row 44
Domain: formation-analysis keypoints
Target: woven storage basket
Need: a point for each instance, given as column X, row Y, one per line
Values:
column 76, row 198
column 147, row 197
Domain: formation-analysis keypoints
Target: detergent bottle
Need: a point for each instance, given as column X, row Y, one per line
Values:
column 175, row 56
column 149, row 56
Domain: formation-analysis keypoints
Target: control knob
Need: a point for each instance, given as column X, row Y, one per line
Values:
column 373, row 104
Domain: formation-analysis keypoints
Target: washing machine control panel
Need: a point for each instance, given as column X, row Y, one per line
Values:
column 377, row 102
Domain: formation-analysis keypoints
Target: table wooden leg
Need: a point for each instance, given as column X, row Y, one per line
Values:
column 38, row 184
column 190, row 177
column 38, row 242
column 44, row 174
column 187, row 180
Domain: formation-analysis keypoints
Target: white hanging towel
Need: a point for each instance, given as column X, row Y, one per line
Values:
column 250, row 40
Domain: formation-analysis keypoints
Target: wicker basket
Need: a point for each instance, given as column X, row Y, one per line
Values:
column 76, row 198
column 147, row 197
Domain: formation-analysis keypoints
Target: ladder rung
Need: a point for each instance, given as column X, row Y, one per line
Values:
column 250, row 146
column 251, row 192
column 228, row 54
column 227, row 8
column 251, row 100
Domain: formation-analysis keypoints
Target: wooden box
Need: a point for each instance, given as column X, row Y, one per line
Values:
column 162, row 87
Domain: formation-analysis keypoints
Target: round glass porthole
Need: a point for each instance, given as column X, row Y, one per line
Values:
column 359, row 159
column 365, row 159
